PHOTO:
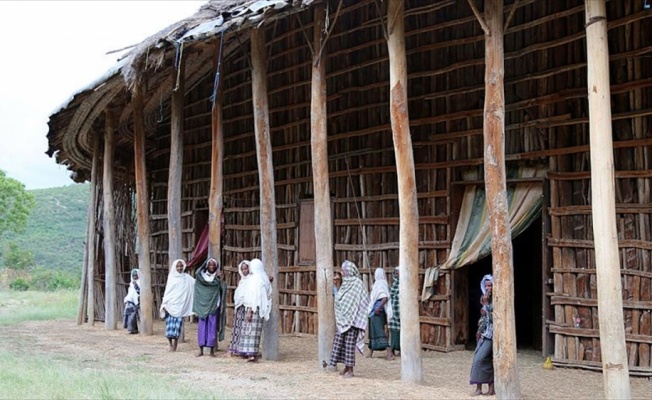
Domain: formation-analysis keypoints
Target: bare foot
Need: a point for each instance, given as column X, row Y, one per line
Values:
column 348, row 375
column 478, row 392
column 251, row 359
column 200, row 354
column 390, row 357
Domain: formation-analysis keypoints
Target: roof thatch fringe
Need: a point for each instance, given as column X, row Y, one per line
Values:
column 212, row 18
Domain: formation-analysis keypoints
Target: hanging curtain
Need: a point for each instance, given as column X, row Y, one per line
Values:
column 472, row 239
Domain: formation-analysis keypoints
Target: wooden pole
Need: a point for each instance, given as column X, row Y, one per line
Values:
column 142, row 215
column 321, row 188
column 266, row 177
column 615, row 371
column 411, row 364
column 110, row 288
column 175, row 170
column 504, row 340
column 91, row 238
column 83, row 287
column 216, row 201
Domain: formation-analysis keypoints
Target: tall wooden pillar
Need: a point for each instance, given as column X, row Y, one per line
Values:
column 142, row 213
column 615, row 371
column 91, row 236
column 266, row 180
column 411, row 364
column 321, row 189
column 215, row 200
column 504, row 339
column 110, row 288
column 175, row 170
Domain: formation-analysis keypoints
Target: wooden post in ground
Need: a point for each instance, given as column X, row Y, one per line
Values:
column 91, row 239
column 142, row 214
column 321, row 190
column 615, row 371
column 215, row 200
column 411, row 364
column 83, row 285
column 266, row 180
column 175, row 169
column 110, row 288
column 504, row 339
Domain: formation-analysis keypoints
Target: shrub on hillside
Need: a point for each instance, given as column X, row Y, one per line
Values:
column 19, row 284
column 49, row 280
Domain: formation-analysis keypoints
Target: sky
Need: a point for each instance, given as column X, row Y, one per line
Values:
column 51, row 50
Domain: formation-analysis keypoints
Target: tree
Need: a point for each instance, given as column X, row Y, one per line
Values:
column 15, row 205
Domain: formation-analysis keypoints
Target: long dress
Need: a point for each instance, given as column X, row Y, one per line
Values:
column 482, row 370
column 257, row 300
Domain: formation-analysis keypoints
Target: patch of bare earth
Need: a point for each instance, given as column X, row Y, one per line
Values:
column 298, row 374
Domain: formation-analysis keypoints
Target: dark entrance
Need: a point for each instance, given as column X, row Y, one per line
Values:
column 527, row 288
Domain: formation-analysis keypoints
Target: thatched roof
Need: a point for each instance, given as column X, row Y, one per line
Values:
column 68, row 136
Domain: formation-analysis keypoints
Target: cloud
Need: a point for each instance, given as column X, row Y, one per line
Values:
column 52, row 49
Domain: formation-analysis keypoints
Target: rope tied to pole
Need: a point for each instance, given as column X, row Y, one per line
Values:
column 216, row 82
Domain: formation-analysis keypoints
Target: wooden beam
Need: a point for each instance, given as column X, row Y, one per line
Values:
column 266, row 180
column 411, row 363
column 91, row 238
column 110, row 288
column 615, row 369
column 216, row 196
column 321, row 190
column 504, row 340
column 175, row 170
column 142, row 214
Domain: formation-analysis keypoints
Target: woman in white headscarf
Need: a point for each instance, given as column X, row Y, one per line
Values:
column 257, row 302
column 132, row 303
column 380, row 311
column 482, row 370
column 351, row 305
column 238, row 307
column 177, row 301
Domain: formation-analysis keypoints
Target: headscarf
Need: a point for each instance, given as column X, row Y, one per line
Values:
column 239, row 294
column 208, row 290
column 395, row 319
column 351, row 303
column 485, row 279
column 258, row 289
column 179, row 290
column 380, row 290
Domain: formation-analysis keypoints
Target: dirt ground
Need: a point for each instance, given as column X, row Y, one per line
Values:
column 296, row 375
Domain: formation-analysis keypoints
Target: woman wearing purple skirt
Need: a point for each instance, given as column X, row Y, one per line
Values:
column 208, row 305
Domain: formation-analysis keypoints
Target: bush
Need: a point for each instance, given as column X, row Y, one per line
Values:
column 50, row 280
column 19, row 284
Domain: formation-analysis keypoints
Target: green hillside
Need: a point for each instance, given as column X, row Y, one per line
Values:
column 56, row 229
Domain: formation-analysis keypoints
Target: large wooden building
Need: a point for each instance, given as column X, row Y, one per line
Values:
column 547, row 146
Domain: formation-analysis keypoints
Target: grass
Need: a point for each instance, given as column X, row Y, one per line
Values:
column 55, row 378
column 51, row 376
column 17, row 307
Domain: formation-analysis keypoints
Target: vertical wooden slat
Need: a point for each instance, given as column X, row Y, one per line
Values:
column 142, row 214
column 266, row 180
column 91, row 239
column 504, row 343
column 411, row 364
column 175, row 171
column 110, row 289
column 322, row 205
column 610, row 306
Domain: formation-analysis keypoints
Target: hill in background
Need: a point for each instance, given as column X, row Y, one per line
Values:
column 56, row 230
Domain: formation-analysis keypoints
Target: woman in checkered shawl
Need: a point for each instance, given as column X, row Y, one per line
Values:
column 351, row 305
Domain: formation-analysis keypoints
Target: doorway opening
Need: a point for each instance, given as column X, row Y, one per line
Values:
column 528, row 296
